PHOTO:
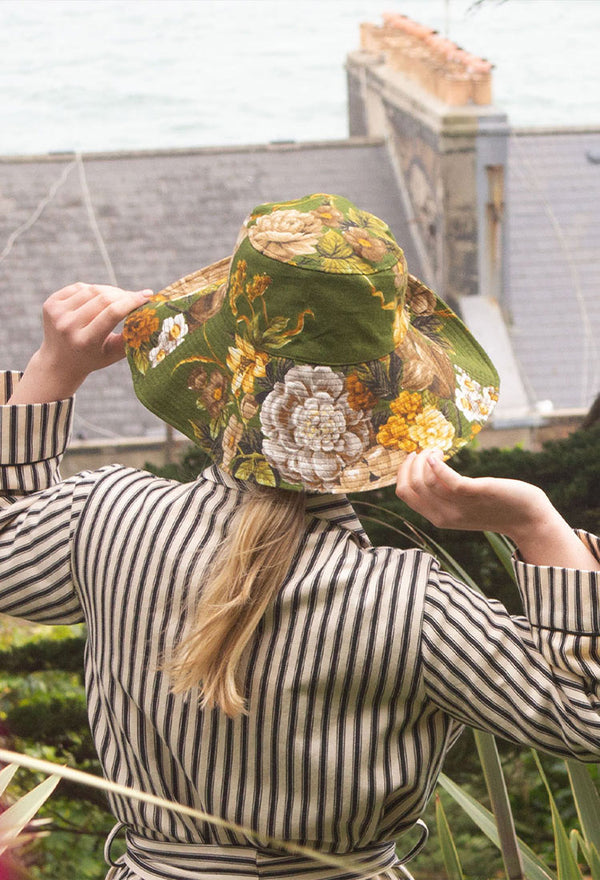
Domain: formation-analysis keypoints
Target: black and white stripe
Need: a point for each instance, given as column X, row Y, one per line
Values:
column 358, row 678
column 32, row 441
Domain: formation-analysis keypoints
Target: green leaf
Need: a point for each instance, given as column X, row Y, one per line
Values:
column 13, row 820
column 334, row 246
column 140, row 360
column 535, row 868
column 587, row 801
column 566, row 864
column 589, row 851
column 254, row 465
column 503, row 550
column 266, row 474
column 574, row 842
column 593, row 859
column 449, row 852
column 274, row 328
column 244, row 469
column 498, row 794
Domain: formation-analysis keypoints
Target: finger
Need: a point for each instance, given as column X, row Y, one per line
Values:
column 100, row 315
column 441, row 475
column 419, row 484
column 404, row 469
column 405, row 479
column 419, row 476
column 78, row 289
column 425, row 478
column 75, row 295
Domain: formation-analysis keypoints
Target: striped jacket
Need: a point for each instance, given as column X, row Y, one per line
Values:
column 362, row 672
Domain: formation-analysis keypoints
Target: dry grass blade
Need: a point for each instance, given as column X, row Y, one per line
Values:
column 347, row 864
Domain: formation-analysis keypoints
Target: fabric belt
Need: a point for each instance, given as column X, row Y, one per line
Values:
column 165, row 860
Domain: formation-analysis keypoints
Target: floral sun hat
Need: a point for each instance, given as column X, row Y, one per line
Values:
column 310, row 359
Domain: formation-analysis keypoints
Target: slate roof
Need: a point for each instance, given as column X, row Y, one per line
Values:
column 553, row 291
column 161, row 216
column 164, row 214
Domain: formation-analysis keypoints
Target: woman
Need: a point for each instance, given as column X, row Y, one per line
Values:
column 249, row 652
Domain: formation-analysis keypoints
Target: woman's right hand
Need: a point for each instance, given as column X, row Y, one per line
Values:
column 79, row 321
column 513, row 508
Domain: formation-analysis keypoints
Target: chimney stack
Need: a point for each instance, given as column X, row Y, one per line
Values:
column 438, row 65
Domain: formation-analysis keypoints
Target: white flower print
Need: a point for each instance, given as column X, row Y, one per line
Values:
column 311, row 433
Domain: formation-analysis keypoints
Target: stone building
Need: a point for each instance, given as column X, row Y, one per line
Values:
column 506, row 221
column 503, row 223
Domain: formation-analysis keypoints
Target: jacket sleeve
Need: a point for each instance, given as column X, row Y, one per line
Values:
column 534, row 679
column 33, row 438
column 38, row 512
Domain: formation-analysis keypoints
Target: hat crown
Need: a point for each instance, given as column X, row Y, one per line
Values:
column 321, row 266
column 320, row 278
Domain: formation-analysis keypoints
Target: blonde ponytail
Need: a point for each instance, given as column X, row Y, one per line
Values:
column 247, row 572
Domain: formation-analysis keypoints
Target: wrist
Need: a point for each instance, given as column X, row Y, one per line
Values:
column 550, row 541
column 44, row 381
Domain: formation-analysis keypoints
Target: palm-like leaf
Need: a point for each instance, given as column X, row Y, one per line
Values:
column 534, row 867
column 449, row 853
column 18, row 815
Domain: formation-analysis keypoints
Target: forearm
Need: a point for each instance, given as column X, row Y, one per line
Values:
column 41, row 383
column 550, row 541
column 533, row 680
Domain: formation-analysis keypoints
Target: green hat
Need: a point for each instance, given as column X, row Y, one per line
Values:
column 310, row 359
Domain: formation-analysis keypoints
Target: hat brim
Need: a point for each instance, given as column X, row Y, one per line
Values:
column 443, row 394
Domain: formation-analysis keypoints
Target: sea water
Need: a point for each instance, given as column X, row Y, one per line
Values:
column 93, row 75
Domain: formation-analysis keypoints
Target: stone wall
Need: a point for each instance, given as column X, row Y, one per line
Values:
column 431, row 100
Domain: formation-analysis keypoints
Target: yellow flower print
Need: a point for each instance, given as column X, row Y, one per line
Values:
column 246, row 364
column 359, row 396
column 407, row 404
column 413, row 427
column 430, row 430
column 140, row 326
column 236, row 284
column 395, row 433
column 257, row 286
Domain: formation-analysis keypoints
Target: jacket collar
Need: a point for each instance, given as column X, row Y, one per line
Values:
column 333, row 508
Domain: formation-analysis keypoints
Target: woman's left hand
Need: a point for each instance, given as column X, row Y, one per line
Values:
column 79, row 338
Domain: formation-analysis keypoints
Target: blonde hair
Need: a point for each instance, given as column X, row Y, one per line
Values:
column 247, row 572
